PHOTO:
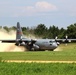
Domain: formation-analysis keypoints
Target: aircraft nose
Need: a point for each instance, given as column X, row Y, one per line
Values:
column 55, row 45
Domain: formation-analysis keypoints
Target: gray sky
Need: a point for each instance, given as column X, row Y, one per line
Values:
column 30, row 13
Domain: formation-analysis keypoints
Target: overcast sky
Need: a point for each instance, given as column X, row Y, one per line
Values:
column 30, row 13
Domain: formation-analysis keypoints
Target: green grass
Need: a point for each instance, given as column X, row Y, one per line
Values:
column 68, row 47
column 37, row 69
column 39, row 56
column 67, row 53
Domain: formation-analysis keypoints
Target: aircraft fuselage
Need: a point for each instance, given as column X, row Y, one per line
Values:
column 42, row 44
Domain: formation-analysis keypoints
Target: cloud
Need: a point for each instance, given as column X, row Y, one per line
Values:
column 34, row 8
column 12, row 9
column 45, row 6
column 39, row 7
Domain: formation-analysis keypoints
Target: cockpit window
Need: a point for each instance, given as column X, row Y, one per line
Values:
column 54, row 41
column 51, row 42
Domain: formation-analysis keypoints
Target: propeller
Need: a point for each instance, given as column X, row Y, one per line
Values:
column 66, row 37
column 18, row 42
column 67, row 40
column 56, row 38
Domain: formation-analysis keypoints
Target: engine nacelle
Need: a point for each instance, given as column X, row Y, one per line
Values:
column 36, row 47
column 17, row 43
column 69, row 40
column 22, row 44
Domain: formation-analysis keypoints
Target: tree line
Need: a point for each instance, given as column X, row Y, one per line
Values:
column 44, row 32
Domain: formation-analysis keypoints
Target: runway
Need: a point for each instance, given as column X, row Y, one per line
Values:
column 35, row 61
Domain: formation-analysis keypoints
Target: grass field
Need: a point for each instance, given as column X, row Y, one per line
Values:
column 37, row 69
column 65, row 53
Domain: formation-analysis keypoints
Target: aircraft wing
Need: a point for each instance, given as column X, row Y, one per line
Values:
column 65, row 40
column 8, row 41
column 18, row 40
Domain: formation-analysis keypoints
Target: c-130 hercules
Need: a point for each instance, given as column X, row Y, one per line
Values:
column 36, row 44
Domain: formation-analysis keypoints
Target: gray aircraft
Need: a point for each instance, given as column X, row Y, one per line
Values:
column 35, row 44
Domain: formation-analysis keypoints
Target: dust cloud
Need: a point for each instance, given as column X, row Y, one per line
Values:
column 9, row 47
column 31, row 36
column 58, row 49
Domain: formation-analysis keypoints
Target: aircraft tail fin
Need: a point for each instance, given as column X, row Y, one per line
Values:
column 19, row 33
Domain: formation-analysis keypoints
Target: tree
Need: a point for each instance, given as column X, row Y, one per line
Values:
column 13, row 28
column 71, row 31
column 62, row 33
column 53, row 31
column 0, row 27
column 40, row 30
column 6, row 28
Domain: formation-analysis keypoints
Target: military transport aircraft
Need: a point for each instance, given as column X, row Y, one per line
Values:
column 36, row 44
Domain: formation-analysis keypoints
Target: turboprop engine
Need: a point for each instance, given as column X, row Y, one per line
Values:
column 35, row 47
column 20, row 43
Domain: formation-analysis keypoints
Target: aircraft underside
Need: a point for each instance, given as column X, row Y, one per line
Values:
column 29, row 48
